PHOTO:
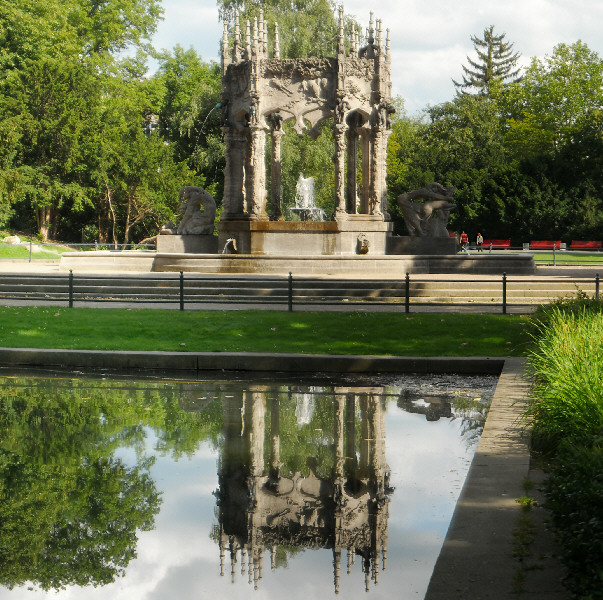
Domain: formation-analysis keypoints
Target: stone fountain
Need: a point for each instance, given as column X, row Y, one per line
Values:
column 305, row 206
column 260, row 91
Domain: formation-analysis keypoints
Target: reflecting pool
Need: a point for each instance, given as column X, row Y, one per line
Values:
column 158, row 489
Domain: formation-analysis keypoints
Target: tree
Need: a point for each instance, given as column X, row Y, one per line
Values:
column 557, row 97
column 306, row 27
column 54, row 107
column 496, row 62
column 189, row 117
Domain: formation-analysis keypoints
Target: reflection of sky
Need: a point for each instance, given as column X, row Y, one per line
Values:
column 428, row 462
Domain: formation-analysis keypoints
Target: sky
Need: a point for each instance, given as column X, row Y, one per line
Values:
column 430, row 39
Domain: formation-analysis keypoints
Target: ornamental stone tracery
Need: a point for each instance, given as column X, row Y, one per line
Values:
column 259, row 92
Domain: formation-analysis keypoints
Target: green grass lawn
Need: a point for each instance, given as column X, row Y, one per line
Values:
column 264, row 331
column 569, row 258
column 22, row 251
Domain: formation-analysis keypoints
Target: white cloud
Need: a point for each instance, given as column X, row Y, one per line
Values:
column 430, row 38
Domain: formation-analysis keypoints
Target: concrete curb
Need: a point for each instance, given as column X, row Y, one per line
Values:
column 476, row 560
column 245, row 361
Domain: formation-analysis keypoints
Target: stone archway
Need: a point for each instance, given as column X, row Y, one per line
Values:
column 260, row 92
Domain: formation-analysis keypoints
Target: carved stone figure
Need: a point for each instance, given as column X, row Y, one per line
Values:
column 194, row 220
column 428, row 218
column 362, row 244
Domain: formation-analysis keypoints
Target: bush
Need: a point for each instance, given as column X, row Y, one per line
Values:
column 574, row 494
column 581, row 304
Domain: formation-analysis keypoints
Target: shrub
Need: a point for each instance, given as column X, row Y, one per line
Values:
column 574, row 494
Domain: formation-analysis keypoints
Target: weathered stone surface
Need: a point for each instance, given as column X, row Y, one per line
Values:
column 197, row 244
column 260, row 92
column 430, row 217
column 194, row 220
column 407, row 244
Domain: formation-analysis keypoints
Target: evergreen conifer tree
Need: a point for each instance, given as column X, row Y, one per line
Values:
column 496, row 61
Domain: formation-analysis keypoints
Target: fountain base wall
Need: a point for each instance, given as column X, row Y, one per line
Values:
column 197, row 244
column 353, row 235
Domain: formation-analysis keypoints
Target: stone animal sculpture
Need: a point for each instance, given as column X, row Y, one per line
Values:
column 428, row 218
column 194, row 220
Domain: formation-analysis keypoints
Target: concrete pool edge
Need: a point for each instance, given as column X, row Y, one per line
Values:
column 246, row 361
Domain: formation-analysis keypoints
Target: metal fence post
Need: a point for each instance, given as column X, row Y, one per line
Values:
column 407, row 298
column 504, row 294
column 70, row 289
column 554, row 256
column 290, row 296
column 181, row 290
column 30, row 249
column 597, row 286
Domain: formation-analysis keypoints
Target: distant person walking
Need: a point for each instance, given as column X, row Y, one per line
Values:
column 464, row 239
column 479, row 242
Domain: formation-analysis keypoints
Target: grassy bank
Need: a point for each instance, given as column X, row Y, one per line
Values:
column 566, row 414
column 394, row 334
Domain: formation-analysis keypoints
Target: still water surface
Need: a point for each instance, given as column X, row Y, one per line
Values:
column 158, row 489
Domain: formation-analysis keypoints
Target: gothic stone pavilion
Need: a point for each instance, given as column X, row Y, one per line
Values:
column 259, row 93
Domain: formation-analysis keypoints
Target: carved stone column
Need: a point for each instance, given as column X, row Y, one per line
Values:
column 236, row 150
column 276, row 184
column 339, row 132
column 375, row 187
column 366, row 170
column 379, row 171
column 257, row 207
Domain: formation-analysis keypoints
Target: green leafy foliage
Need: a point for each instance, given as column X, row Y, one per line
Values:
column 574, row 494
column 567, row 364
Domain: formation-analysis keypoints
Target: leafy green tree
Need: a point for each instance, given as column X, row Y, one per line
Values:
column 54, row 108
column 189, row 115
column 555, row 98
column 306, row 27
column 496, row 62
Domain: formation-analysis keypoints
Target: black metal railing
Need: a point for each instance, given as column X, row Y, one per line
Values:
column 411, row 293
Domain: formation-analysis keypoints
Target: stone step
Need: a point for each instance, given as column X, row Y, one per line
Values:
column 207, row 289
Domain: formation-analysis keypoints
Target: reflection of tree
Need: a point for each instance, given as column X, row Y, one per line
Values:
column 69, row 509
column 71, row 525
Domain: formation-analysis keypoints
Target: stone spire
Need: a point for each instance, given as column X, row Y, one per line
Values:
column 340, row 40
column 277, row 42
column 248, row 40
column 388, row 55
column 237, row 39
column 225, row 49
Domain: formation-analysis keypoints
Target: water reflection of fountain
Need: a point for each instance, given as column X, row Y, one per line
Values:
column 305, row 207
column 304, row 407
column 265, row 503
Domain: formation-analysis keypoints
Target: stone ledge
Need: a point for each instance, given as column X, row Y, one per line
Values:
column 245, row 361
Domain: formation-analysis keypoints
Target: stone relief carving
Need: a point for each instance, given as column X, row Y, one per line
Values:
column 362, row 245
column 428, row 218
column 194, row 220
